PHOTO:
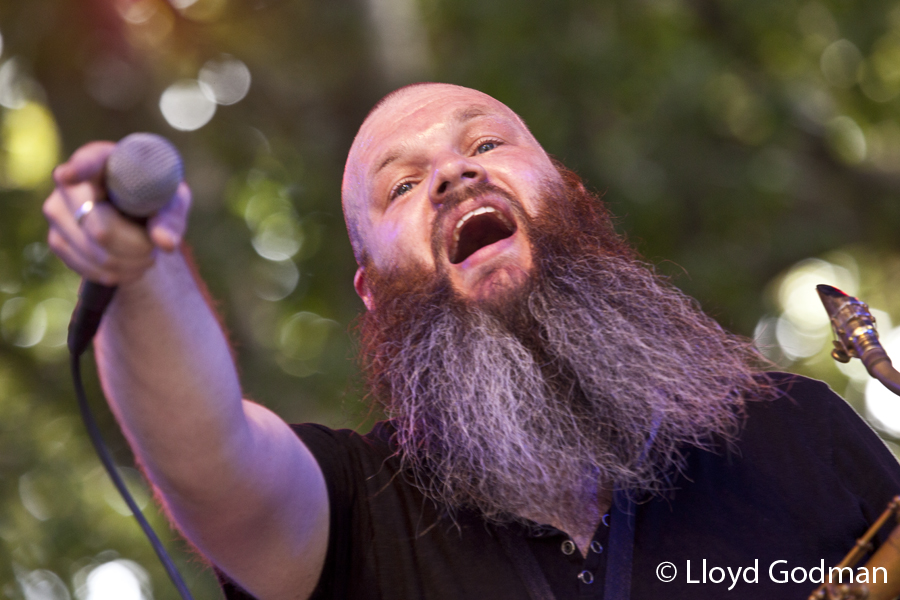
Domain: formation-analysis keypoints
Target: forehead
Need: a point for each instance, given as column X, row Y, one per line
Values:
column 418, row 114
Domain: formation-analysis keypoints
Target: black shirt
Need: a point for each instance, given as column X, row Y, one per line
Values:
column 805, row 480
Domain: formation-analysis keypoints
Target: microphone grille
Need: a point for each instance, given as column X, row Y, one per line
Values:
column 142, row 174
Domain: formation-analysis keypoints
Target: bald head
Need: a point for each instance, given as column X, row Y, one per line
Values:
column 409, row 128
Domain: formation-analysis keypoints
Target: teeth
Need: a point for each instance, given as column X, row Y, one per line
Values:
column 478, row 211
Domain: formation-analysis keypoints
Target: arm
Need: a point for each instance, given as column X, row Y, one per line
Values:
column 237, row 481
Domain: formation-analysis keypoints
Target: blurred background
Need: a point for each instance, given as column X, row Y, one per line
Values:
column 751, row 150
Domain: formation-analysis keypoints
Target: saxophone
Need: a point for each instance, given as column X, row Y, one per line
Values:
column 856, row 337
column 886, row 557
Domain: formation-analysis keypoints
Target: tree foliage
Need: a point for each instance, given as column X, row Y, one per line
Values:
column 733, row 139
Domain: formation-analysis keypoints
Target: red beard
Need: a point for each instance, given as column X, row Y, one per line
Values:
column 596, row 372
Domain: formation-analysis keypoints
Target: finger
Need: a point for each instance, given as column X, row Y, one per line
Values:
column 119, row 236
column 167, row 227
column 76, row 261
column 76, row 195
column 62, row 220
column 85, row 164
column 112, row 271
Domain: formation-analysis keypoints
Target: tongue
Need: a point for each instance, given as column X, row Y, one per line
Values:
column 477, row 233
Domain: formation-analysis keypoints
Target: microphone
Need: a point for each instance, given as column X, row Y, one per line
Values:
column 141, row 176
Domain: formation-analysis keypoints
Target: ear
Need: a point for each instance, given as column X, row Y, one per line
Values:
column 361, row 285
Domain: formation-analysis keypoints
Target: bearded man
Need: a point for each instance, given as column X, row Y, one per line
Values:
column 563, row 423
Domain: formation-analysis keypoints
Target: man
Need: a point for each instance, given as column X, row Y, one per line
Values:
column 562, row 421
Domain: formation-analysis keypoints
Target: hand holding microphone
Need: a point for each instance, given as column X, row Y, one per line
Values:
column 108, row 246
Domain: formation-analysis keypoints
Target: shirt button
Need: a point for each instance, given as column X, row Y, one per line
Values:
column 568, row 547
column 586, row 577
column 596, row 547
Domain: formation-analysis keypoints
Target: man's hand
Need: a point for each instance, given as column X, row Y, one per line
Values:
column 104, row 246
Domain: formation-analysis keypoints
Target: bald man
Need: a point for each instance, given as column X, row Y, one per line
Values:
column 563, row 423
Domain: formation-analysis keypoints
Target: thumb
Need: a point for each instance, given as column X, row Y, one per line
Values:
column 167, row 227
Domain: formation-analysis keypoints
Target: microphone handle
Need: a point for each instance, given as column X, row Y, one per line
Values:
column 93, row 298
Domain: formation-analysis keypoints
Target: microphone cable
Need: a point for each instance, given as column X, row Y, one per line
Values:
column 103, row 452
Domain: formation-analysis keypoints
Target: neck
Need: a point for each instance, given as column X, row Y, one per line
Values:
column 582, row 534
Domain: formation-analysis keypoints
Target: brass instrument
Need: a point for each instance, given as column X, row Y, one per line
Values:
column 887, row 557
column 854, row 328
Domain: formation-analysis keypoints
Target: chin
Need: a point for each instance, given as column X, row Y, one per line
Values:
column 496, row 287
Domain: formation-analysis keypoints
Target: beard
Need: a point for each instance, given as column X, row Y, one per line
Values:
column 597, row 374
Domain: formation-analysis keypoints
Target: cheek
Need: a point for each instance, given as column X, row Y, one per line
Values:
column 403, row 243
column 529, row 178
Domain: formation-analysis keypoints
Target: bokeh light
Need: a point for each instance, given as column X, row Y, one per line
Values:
column 302, row 340
column 114, row 82
column 32, row 499
column 802, row 329
column 58, row 312
column 227, row 80
column 740, row 111
column 42, row 584
column 107, row 576
column 883, row 145
column 186, row 105
column 203, row 11
column 278, row 237
column 846, row 139
column 31, row 142
column 21, row 324
column 880, row 74
column 13, row 86
column 99, row 484
column 840, row 63
column 275, row 280
column 116, row 580
column 882, row 405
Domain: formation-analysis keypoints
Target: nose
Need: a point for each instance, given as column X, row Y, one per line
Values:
column 451, row 172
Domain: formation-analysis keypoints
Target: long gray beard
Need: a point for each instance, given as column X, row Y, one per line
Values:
column 600, row 376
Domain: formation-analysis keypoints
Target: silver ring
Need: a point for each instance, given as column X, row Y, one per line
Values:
column 83, row 211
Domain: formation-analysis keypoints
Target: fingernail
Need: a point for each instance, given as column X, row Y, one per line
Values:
column 60, row 174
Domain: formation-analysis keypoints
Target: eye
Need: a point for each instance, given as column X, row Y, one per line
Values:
column 401, row 189
column 487, row 146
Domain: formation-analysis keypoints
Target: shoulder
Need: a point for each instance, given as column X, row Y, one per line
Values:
column 377, row 440
column 804, row 415
column 806, row 421
column 347, row 457
column 799, row 404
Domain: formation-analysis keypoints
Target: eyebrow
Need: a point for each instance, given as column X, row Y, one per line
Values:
column 460, row 116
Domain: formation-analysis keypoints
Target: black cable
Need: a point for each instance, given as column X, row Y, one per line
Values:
column 106, row 459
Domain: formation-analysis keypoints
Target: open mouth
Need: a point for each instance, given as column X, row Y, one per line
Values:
column 479, row 228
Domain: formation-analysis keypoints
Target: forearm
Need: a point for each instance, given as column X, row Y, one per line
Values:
column 167, row 371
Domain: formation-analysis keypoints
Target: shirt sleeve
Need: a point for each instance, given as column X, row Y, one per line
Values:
column 864, row 465
column 349, row 462
column 868, row 468
column 330, row 449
